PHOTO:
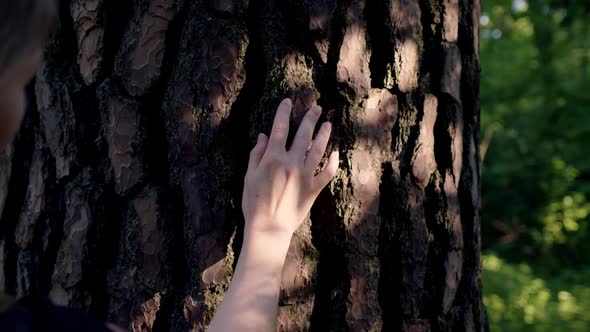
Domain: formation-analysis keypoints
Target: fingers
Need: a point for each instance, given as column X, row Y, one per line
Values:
column 280, row 127
column 318, row 148
column 325, row 176
column 258, row 151
column 305, row 132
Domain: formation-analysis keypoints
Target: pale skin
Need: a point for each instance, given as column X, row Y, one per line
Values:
column 279, row 190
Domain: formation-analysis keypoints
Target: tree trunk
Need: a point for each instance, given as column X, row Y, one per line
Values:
column 122, row 192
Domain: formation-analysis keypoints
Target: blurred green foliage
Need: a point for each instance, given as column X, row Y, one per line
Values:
column 519, row 300
column 535, row 145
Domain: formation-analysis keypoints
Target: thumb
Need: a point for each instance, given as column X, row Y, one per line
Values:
column 325, row 176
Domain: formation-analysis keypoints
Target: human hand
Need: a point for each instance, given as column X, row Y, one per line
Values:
column 281, row 186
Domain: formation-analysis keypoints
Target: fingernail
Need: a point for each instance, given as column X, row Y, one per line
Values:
column 317, row 109
column 328, row 125
column 260, row 138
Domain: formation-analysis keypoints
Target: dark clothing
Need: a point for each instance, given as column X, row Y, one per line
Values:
column 38, row 314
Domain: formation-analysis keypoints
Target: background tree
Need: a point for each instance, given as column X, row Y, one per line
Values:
column 536, row 164
column 122, row 192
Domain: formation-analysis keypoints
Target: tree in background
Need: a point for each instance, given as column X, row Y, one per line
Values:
column 536, row 164
column 122, row 192
column 535, row 125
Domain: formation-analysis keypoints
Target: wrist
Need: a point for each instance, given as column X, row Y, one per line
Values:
column 267, row 237
column 270, row 246
column 267, row 230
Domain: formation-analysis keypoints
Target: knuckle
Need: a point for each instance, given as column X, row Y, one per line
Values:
column 273, row 161
column 278, row 133
column 287, row 164
column 296, row 154
column 292, row 170
column 281, row 128
column 316, row 152
column 291, row 167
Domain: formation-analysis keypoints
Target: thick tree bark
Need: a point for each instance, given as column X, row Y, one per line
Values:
column 122, row 192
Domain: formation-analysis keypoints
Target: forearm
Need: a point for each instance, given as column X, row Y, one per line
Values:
column 251, row 302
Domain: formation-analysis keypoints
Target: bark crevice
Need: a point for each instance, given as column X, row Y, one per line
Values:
column 381, row 42
column 242, row 138
column 23, row 146
column 333, row 283
column 390, row 282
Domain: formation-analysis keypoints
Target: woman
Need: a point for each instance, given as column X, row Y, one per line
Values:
column 280, row 188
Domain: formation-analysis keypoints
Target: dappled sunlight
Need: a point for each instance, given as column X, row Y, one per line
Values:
column 353, row 66
column 407, row 58
column 518, row 300
column 564, row 217
column 405, row 17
